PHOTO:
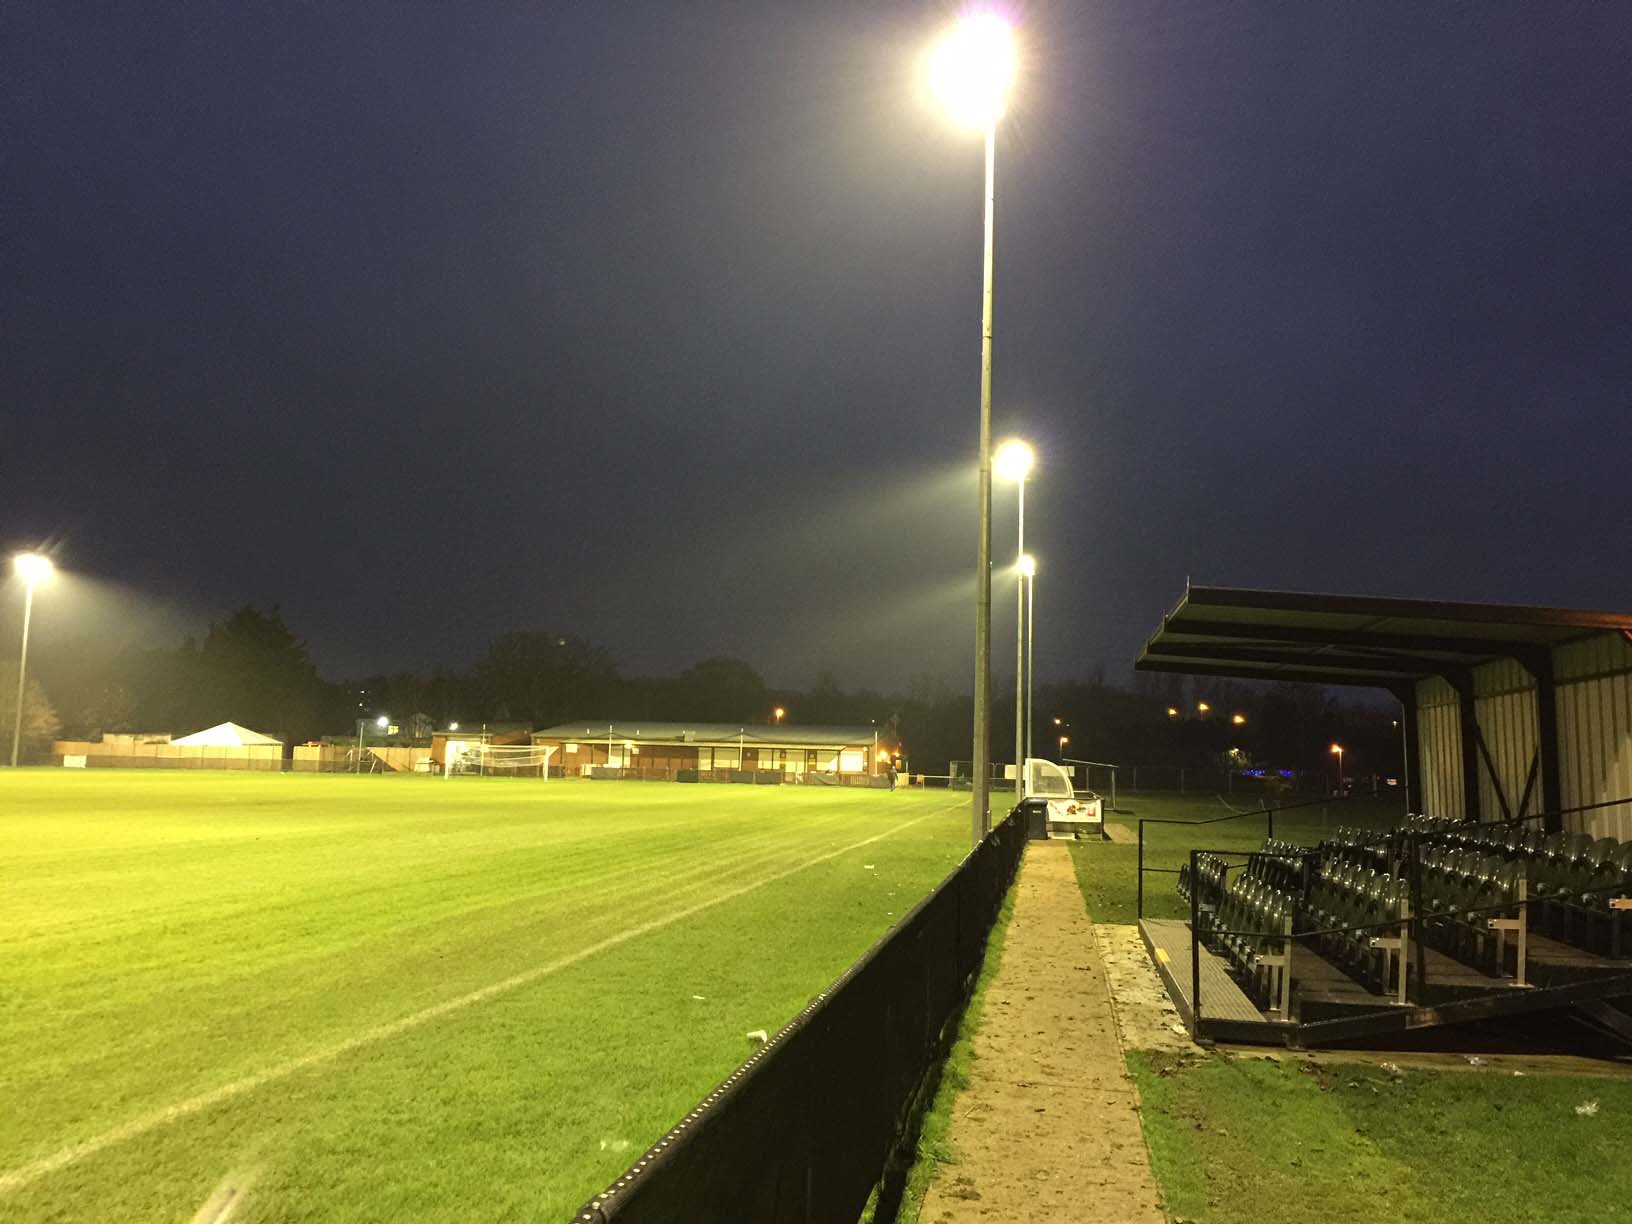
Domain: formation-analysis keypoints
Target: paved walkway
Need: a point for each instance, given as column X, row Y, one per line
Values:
column 1048, row 1128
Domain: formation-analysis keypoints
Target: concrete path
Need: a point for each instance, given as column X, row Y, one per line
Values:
column 1048, row 1128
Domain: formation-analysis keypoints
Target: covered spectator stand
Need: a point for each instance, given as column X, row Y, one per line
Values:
column 1508, row 889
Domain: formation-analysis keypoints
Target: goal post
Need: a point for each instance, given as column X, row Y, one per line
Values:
column 501, row 761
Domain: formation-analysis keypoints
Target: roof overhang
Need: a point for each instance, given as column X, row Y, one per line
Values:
column 1354, row 639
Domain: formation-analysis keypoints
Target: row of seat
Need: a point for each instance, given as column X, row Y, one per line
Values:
column 1250, row 925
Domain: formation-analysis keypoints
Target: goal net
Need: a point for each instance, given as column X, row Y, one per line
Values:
column 501, row 760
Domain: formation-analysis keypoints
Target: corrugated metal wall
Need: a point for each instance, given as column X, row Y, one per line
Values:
column 1595, row 731
column 1504, row 697
column 1439, row 749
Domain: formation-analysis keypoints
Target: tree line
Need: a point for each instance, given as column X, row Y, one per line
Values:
column 252, row 668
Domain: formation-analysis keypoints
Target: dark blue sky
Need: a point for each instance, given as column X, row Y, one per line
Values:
column 659, row 323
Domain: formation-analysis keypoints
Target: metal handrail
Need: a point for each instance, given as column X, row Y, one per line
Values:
column 1267, row 812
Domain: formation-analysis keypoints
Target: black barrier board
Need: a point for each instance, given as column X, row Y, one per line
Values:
column 800, row 1133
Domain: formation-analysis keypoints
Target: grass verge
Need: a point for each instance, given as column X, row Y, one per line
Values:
column 1248, row 1140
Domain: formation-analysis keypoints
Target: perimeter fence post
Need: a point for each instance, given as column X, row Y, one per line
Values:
column 1195, row 949
column 1139, row 908
column 1269, row 814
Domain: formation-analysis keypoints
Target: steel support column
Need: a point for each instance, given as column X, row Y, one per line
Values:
column 1539, row 663
column 1461, row 679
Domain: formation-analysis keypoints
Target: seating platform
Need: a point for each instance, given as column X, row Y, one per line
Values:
column 1418, row 927
column 1231, row 1015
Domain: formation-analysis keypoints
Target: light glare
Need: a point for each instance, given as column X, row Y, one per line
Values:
column 33, row 568
column 972, row 68
column 1028, row 565
column 1013, row 461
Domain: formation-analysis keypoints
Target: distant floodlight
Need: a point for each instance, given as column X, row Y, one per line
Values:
column 1172, row 711
column 1238, row 719
column 779, row 713
column 453, row 726
column 1028, row 566
column 1013, row 460
column 1337, row 749
column 382, row 722
column 33, row 568
column 1202, row 707
column 972, row 68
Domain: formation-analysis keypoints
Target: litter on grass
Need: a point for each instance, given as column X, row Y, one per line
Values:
column 759, row 1035
column 1587, row 1109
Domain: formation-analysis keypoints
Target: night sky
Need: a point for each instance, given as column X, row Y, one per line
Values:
column 660, row 323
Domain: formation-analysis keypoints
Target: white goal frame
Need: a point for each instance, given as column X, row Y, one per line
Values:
column 501, row 759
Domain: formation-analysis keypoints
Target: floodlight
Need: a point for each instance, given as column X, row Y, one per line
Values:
column 1238, row 719
column 453, row 726
column 1337, row 749
column 1202, row 707
column 1172, row 711
column 972, row 68
column 1013, row 461
column 382, row 722
column 1028, row 566
column 33, row 568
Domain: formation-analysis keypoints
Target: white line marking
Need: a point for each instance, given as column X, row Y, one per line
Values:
column 22, row 1175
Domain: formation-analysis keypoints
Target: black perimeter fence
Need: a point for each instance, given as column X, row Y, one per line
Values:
column 803, row 1131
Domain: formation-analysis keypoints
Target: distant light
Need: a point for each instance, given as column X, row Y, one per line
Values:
column 382, row 722
column 779, row 712
column 1172, row 711
column 1203, row 707
column 1064, row 740
column 1238, row 719
column 1056, row 722
column 972, row 68
column 1013, row 461
column 1338, row 749
column 453, row 726
column 33, row 568
column 882, row 755
column 1028, row 565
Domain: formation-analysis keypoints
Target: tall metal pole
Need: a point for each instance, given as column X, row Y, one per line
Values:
column 22, row 670
column 979, row 820
column 1031, row 655
column 1020, row 653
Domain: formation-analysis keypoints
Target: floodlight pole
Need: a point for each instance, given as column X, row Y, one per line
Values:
column 980, row 821
column 1020, row 651
column 22, row 671
column 1031, row 657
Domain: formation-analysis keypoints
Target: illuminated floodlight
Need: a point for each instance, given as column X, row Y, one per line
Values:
column 1013, row 461
column 1238, row 719
column 972, row 69
column 1172, row 711
column 33, row 568
column 1337, row 749
column 1028, row 565
column 1202, row 707
column 382, row 722
column 779, row 713
column 453, row 726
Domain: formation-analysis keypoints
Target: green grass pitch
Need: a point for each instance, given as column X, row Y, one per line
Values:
column 405, row 998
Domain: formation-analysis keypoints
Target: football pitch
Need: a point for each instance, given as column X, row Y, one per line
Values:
column 368, row 998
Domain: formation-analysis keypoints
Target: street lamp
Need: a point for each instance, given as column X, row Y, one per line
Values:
column 971, row 70
column 778, row 713
column 34, row 569
column 1337, row 751
column 1012, row 462
column 1064, row 740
